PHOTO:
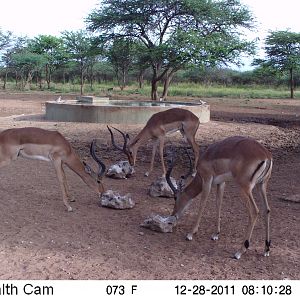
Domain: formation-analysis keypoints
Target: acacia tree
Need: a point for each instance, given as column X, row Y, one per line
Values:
column 121, row 55
column 6, row 40
column 51, row 48
column 81, row 49
column 17, row 46
column 282, row 53
column 25, row 64
column 176, row 33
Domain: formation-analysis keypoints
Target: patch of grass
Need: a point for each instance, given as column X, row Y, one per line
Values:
column 176, row 89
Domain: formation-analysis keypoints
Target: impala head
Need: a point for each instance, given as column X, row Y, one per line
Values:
column 97, row 175
column 181, row 199
column 129, row 150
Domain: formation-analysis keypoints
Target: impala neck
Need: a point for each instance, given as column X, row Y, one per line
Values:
column 182, row 199
column 141, row 138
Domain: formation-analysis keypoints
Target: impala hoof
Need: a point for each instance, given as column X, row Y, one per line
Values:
column 215, row 237
column 267, row 253
column 146, row 174
column 237, row 255
column 189, row 236
column 70, row 209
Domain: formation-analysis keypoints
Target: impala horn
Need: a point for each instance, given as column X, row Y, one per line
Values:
column 181, row 182
column 101, row 165
column 125, row 137
column 168, row 174
column 183, row 178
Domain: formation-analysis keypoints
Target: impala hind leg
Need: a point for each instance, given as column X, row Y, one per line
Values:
column 253, row 214
column 63, row 182
column 262, row 189
column 219, row 200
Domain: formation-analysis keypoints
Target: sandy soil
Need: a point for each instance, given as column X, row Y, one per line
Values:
column 41, row 240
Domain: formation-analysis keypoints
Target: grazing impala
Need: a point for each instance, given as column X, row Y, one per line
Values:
column 157, row 127
column 36, row 143
column 245, row 161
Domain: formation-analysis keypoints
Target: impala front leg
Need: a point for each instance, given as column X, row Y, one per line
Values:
column 152, row 157
column 63, row 182
column 161, row 154
column 219, row 199
column 204, row 196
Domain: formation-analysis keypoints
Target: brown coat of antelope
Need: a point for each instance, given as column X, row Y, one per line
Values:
column 236, row 158
column 41, row 144
column 157, row 127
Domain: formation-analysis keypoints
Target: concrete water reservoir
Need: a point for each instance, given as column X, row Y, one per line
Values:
column 102, row 110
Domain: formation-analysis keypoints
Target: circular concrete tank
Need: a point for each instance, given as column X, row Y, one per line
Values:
column 101, row 110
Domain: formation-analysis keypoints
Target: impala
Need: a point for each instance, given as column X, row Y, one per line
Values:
column 236, row 158
column 157, row 127
column 40, row 144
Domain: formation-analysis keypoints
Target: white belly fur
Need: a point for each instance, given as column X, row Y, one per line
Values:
column 222, row 178
column 38, row 157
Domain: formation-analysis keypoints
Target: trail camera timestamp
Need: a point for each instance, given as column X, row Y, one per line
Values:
column 243, row 290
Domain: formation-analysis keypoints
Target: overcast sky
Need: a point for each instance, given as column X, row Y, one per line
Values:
column 34, row 17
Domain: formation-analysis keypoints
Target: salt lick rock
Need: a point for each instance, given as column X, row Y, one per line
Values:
column 113, row 199
column 160, row 223
column 120, row 170
column 160, row 188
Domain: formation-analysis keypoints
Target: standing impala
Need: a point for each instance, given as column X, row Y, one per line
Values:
column 245, row 161
column 36, row 143
column 157, row 127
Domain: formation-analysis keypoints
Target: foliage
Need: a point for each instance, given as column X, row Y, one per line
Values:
column 51, row 48
column 121, row 55
column 5, row 39
column 26, row 63
column 176, row 33
column 282, row 53
column 283, row 49
column 81, row 48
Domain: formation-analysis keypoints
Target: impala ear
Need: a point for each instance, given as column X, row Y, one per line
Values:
column 127, row 136
column 87, row 168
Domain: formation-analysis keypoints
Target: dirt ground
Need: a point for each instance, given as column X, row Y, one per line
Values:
column 39, row 239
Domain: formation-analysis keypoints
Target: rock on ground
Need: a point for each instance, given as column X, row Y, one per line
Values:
column 160, row 223
column 113, row 199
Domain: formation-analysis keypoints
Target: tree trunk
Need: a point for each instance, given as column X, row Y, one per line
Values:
column 154, row 92
column 16, row 79
column 5, row 79
column 28, row 80
column 123, row 79
column 81, row 78
column 167, row 81
column 40, row 81
column 141, row 78
column 48, row 76
column 64, row 77
column 292, row 83
column 91, row 76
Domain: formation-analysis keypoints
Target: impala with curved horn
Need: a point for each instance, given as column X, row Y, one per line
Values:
column 236, row 158
column 157, row 127
column 41, row 144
